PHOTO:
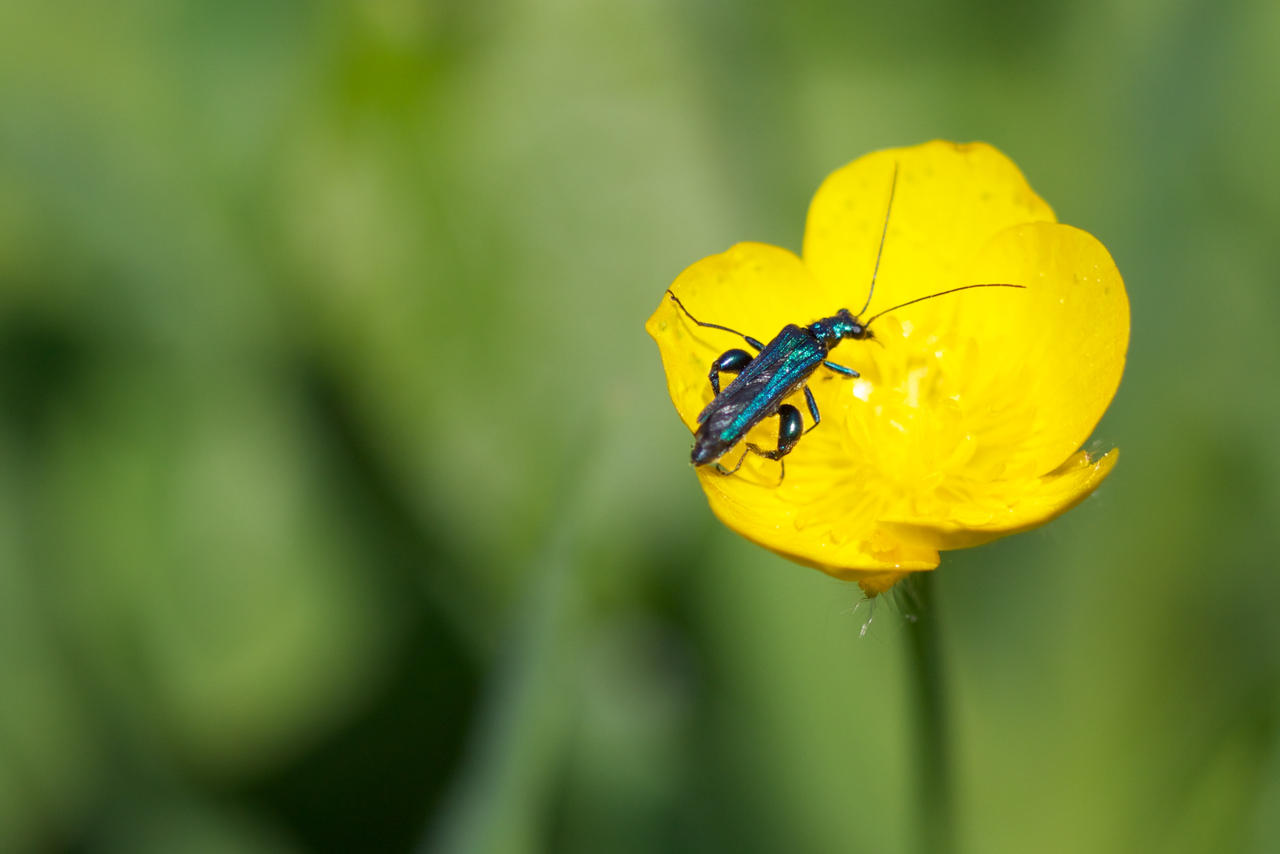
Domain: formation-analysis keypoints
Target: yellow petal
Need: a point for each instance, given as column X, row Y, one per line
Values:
column 950, row 200
column 844, row 547
column 1017, row 507
column 1059, row 345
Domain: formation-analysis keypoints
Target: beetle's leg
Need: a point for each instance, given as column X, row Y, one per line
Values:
column 841, row 369
column 722, row 470
column 731, row 362
column 813, row 408
column 752, row 448
column 790, row 429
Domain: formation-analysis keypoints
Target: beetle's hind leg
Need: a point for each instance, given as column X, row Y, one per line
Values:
column 790, row 429
column 730, row 362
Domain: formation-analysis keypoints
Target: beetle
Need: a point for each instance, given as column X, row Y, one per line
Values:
column 781, row 368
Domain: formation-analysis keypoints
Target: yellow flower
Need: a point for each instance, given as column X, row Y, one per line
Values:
column 968, row 418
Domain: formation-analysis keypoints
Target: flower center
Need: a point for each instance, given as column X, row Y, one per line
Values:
column 920, row 435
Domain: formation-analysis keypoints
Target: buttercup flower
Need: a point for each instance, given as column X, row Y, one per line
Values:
column 967, row 422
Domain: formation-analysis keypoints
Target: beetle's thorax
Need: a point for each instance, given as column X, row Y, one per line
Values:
column 830, row 330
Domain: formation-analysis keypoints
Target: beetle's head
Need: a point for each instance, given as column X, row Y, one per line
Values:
column 850, row 326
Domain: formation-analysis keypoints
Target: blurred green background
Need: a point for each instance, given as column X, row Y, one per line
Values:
column 342, row 506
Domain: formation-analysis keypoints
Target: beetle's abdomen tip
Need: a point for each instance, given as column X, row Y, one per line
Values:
column 701, row 455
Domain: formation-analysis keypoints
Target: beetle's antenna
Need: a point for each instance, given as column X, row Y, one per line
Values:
column 938, row 294
column 884, row 230
column 700, row 323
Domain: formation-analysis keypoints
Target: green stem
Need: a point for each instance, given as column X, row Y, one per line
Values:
column 933, row 759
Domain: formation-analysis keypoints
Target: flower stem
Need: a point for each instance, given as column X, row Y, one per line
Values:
column 933, row 759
